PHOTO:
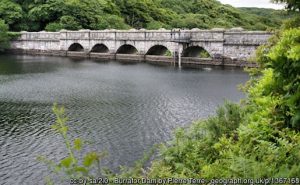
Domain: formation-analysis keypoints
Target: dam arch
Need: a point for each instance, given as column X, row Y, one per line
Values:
column 76, row 47
column 196, row 51
column 160, row 50
column 127, row 49
column 99, row 48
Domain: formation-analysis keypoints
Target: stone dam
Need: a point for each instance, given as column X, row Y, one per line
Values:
column 233, row 47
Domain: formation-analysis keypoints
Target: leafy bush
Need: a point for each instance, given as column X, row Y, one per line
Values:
column 10, row 11
column 71, row 167
column 54, row 27
column 4, row 37
column 110, row 22
column 69, row 23
column 13, row 35
column 291, row 23
column 154, row 25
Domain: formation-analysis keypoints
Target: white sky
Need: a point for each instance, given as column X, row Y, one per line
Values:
column 252, row 3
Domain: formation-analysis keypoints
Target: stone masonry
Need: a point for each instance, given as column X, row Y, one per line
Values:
column 225, row 47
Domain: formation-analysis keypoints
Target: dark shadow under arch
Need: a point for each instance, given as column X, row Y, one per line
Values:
column 100, row 48
column 76, row 47
column 127, row 49
column 196, row 51
column 159, row 50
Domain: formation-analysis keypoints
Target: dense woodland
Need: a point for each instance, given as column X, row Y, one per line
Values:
column 54, row 15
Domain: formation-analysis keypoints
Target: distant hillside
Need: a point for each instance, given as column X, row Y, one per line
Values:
column 53, row 15
column 268, row 17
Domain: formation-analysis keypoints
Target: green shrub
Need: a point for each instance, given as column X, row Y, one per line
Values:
column 110, row 22
column 70, row 23
column 54, row 27
column 168, row 53
column 291, row 23
column 10, row 12
column 72, row 167
column 204, row 54
column 154, row 25
column 4, row 36
column 269, row 139
column 193, row 148
column 14, row 35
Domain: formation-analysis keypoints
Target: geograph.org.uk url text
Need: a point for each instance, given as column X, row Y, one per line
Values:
column 216, row 181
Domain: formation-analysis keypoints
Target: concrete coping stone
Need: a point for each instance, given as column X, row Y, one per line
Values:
column 40, row 32
column 218, row 29
column 194, row 30
column 248, row 32
column 237, row 29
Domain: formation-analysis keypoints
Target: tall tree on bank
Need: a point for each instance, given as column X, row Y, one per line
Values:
column 4, row 37
column 290, row 4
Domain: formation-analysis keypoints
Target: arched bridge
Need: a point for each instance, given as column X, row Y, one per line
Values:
column 216, row 46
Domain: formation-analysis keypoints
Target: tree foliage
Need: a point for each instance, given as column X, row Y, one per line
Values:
column 290, row 4
column 72, row 167
column 4, row 36
column 10, row 12
column 53, row 15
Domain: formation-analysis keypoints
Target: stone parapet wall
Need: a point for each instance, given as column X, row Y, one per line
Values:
column 246, row 38
column 229, row 37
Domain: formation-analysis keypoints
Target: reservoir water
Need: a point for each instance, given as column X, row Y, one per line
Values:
column 121, row 108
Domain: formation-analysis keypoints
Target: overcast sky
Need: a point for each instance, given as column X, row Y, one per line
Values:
column 252, row 3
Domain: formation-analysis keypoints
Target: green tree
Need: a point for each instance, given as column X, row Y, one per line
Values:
column 284, row 59
column 69, row 23
column 291, row 23
column 154, row 25
column 290, row 4
column 10, row 12
column 54, row 26
column 109, row 21
column 191, row 21
column 4, row 37
column 136, row 12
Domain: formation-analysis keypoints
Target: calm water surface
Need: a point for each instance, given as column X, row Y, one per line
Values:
column 120, row 108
